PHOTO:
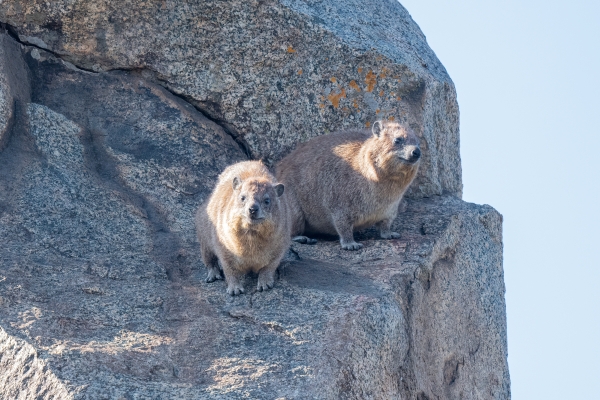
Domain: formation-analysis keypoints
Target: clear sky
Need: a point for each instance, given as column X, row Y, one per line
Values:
column 527, row 75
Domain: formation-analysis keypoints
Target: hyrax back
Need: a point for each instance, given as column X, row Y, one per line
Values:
column 244, row 225
column 349, row 180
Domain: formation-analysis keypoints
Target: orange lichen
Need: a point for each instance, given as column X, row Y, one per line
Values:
column 354, row 85
column 334, row 98
column 367, row 124
column 332, row 79
column 384, row 72
column 391, row 118
column 359, row 70
column 355, row 103
column 398, row 98
column 321, row 105
column 299, row 72
column 381, row 93
column 290, row 49
column 377, row 111
column 371, row 81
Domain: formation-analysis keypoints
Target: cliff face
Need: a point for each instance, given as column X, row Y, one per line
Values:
column 113, row 128
column 271, row 73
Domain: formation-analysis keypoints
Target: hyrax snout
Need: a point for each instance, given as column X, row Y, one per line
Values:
column 254, row 200
column 350, row 180
column 244, row 226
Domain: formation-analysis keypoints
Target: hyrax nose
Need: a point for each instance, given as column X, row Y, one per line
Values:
column 253, row 209
column 415, row 154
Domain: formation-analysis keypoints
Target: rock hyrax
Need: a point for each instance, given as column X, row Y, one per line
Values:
column 349, row 180
column 244, row 226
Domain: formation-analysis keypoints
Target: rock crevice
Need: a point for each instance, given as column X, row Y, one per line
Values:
column 146, row 74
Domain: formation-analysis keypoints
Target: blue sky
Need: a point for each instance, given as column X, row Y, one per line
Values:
column 527, row 75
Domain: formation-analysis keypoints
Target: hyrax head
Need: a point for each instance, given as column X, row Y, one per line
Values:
column 398, row 141
column 256, row 198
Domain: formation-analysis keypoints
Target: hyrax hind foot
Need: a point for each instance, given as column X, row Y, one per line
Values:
column 389, row 235
column 304, row 240
column 351, row 246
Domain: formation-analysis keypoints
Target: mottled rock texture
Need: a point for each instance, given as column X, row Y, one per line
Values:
column 271, row 72
column 14, row 86
column 116, row 119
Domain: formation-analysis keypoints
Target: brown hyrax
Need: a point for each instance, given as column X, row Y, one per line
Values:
column 345, row 181
column 244, row 226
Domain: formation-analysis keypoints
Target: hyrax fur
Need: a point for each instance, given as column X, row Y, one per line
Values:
column 244, row 226
column 345, row 181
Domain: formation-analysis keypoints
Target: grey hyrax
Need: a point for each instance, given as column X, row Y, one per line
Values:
column 244, row 226
column 350, row 180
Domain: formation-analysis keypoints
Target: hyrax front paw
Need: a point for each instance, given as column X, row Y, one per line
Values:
column 234, row 290
column 266, row 279
column 389, row 235
column 264, row 284
column 351, row 246
column 213, row 275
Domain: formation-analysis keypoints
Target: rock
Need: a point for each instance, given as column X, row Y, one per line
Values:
column 272, row 72
column 24, row 374
column 14, row 86
column 114, row 130
column 419, row 317
column 6, row 104
column 152, row 153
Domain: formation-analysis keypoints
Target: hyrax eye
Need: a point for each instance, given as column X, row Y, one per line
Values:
column 267, row 201
column 243, row 198
column 398, row 140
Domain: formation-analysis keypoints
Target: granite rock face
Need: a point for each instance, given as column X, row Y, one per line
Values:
column 273, row 73
column 14, row 86
column 113, row 129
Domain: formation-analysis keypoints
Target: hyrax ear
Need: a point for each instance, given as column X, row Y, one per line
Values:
column 377, row 128
column 279, row 189
column 236, row 183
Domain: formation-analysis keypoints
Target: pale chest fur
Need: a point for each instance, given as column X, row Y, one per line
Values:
column 381, row 185
column 381, row 202
column 248, row 250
